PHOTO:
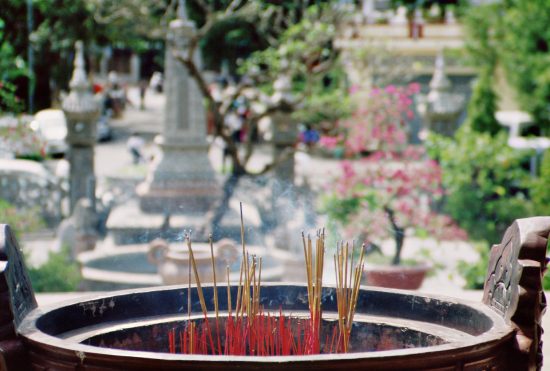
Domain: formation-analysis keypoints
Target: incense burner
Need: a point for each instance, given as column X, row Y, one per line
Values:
column 172, row 261
column 392, row 329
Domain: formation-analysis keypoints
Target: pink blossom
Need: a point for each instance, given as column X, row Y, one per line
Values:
column 328, row 142
column 347, row 168
column 354, row 89
column 414, row 88
column 391, row 89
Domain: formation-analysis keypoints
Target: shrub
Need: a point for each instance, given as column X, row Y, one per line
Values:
column 475, row 273
column 486, row 181
column 58, row 274
column 392, row 189
column 540, row 189
column 483, row 105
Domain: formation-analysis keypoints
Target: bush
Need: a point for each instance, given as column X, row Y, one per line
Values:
column 58, row 274
column 486, row 181
column 475, row 273
column 483, row 105
column 540, row 189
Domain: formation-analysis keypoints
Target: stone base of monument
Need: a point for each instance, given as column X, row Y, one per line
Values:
column 177, row 197
column 128, row 224
column 181, row 179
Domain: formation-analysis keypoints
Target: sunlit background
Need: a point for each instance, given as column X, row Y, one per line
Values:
column 417, row 128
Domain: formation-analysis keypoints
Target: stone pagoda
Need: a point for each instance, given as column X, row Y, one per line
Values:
column 81, row 111
column 181, row 179
column 441, row 108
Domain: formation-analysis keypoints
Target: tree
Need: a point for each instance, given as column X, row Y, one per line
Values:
column 302, row 53
column 483, row 106
column 486, row 181
column 11, row 67
column 390, row 190
column 525, row 55
column 58, row 24
column 482, row 46
column 514, row 34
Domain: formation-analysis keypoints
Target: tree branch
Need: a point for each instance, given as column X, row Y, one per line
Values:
column 398, row 234
column 213, row 107
column 283, row 156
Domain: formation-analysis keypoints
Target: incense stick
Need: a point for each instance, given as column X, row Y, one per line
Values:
column 262, row 333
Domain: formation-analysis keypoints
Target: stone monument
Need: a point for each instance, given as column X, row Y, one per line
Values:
column 441, row 107
column 81, row 111
column 181, row 179
column 284, row 130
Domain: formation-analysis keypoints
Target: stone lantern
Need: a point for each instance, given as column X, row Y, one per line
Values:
column 181, row 179
column 441, row 107
column 81, row 111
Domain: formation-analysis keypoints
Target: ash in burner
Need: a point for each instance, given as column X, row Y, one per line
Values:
column 365, row 337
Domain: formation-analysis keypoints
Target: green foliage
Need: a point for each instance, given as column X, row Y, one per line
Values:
column 525, row 53
column 58, row 274
column 515, row 35
column 21, row 221
column 540, row 188
column 338, row 209
column 486, row 181
column 546, row 281
column 304, row 49
column 475, row 273
column 482, row 106
column 9, row 102
column 230, row 40
column 11, row 67
column 481, row 41
column 324, row 107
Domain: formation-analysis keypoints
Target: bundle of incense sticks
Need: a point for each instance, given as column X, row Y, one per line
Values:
column 249, row 330
column 347, row 289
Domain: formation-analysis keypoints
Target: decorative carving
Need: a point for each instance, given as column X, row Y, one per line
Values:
column 513, row 286
column 15, row 275
column 16, row 300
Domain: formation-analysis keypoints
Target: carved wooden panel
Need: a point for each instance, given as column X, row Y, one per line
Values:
column 15, row 274
column 513, row 286
column 16, row 300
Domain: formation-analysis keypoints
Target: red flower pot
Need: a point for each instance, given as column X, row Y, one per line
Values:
column 396, row 276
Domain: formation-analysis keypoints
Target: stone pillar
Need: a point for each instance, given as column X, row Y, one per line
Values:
column 284, row 138
column 104, row 62
column 181, row 179
column 284, row 129
column 81, row 111
column 368, row 9
column 135, row 68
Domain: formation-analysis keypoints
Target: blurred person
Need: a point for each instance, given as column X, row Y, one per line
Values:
column 142, row 91
column 135, row 145
column 309, row 136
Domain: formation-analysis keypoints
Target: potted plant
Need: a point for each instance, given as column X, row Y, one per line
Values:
column 391, row 190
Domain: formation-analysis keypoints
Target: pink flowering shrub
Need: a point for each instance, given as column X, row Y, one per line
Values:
column 394, row 187
column 330, row 142
column 379, row 122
